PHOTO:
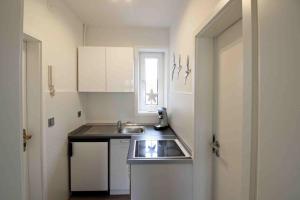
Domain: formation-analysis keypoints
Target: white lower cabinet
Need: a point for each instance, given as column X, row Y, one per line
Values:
column 89, row 166
column 119, row 169
column 162, row 181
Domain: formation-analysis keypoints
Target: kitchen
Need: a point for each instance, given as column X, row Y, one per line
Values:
column 143, row 100
column 119, row 165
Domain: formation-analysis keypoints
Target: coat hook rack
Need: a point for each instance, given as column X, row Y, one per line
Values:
column 50, row 81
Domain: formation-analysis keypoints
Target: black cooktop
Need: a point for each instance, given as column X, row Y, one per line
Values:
column 157, row 149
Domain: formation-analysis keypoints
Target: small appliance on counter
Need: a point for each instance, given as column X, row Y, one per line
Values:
column 162, row 119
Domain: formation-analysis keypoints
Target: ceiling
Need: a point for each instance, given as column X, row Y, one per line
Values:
column 122, row 13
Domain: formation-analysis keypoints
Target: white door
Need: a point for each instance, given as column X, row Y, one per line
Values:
column 228, row 113
column 31, row 105
column 24, row 123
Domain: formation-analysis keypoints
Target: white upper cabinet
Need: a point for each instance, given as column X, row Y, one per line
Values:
column 105, row 69
column 91, row 69
column 120, row 69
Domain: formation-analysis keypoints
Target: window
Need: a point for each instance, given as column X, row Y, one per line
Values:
column 151, row 83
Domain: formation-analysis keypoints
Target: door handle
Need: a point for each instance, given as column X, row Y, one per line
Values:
column 26, row 137
column 215, row 145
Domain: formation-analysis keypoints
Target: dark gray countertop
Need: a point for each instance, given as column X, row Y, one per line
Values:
column 105, row 132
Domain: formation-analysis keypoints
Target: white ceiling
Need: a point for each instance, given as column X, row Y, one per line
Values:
column 120, row 13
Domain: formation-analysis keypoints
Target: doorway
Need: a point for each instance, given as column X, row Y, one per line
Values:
column 225, row 104
column 32, row 119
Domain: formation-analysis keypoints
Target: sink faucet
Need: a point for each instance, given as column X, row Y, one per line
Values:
column 119, row 125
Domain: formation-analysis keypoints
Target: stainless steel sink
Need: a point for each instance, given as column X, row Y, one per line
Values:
column 132, row 129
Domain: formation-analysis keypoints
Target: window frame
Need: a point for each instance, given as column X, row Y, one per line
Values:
column 162, row 85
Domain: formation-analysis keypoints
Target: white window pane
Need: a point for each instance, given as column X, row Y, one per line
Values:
column 151, row 76
column 150, row 81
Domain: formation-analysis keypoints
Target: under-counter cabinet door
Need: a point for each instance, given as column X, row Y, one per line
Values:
column 91, row 69
column 89, row 166
column 120, row 69
column 119, row 169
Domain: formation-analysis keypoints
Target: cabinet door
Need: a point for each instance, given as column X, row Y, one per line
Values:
column 119, row 169
column 91, row 69
column 120, row 69
column 89, row 166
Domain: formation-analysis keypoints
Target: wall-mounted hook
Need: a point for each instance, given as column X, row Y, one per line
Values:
column 179, row 67
column 174, row 66
column 188, row 69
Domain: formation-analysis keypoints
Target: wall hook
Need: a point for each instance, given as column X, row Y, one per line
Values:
column 188, row 69
column 179, row 67
column 174, row 66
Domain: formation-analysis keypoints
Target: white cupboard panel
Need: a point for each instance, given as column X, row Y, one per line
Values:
column 91, row 69
column 162, row 181
column 89, row 166
column 120, row 69
column 119, row 169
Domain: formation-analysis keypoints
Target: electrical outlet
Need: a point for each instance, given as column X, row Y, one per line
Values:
column 79, row 114
column 51, row 122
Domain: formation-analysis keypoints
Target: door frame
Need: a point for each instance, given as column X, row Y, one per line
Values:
column 226, row 13
column 35, row 147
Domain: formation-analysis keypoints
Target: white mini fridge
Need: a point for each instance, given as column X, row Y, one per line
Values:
column 89, row 167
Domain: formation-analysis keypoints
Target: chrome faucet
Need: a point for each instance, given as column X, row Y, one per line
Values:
column 119, row 126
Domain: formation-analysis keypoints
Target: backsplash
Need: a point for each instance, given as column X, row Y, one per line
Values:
column 111, row 107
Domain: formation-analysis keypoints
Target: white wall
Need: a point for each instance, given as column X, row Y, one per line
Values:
column 60, row 32
column 11, row 20
column 181, row 105
column 182, row 40
column 110, row 107
column 279, row 100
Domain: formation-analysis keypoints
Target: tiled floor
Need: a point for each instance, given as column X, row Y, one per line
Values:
column 102, row 198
